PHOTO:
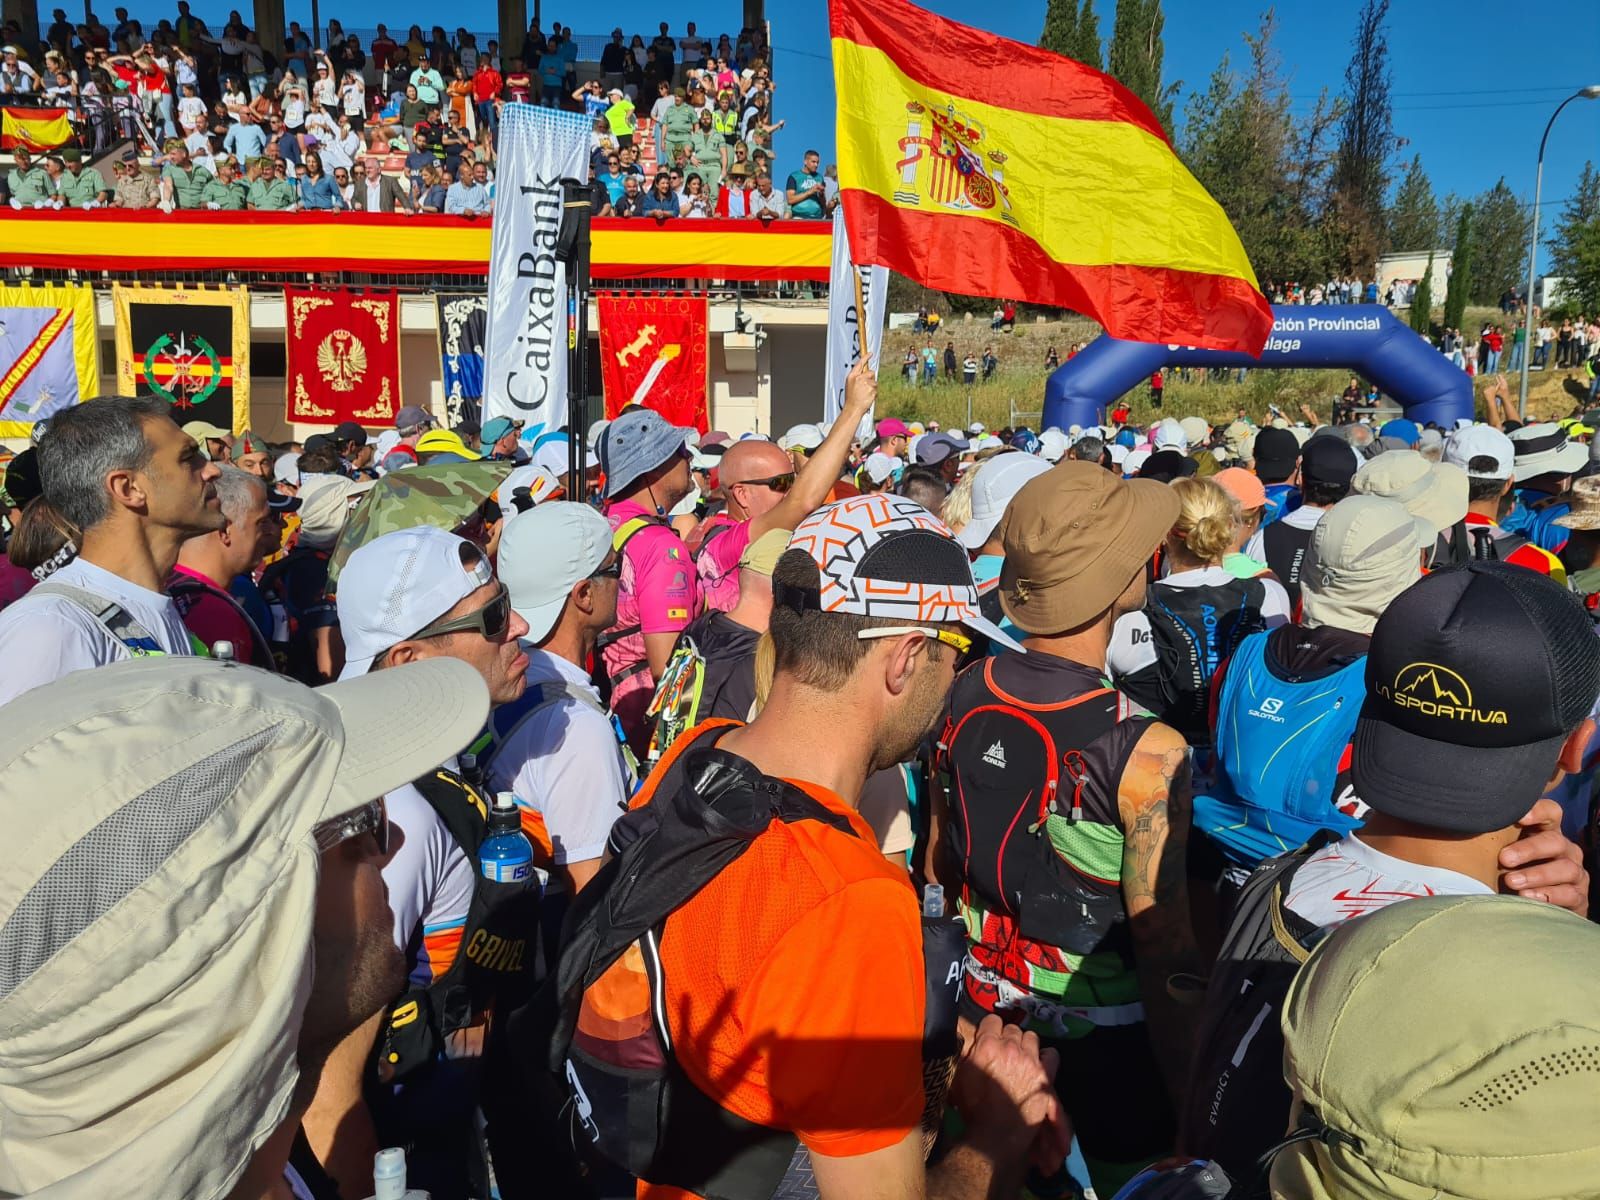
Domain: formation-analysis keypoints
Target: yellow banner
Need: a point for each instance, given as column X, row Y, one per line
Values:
column 30, row 382
column 936, row 152
column 195, row 356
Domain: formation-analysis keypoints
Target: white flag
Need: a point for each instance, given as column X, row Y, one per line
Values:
column 844, row 347
column 525, row 350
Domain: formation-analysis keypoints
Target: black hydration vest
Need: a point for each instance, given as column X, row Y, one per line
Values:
column 1285, row 548
column 633, row 1104
column 493, row 969
column 1237, row 1106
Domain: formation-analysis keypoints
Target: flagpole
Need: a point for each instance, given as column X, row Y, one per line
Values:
column 861, row 313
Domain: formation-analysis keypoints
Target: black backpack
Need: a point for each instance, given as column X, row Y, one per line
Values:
column 1194, row 631
column 632, row 1104
column 1237, row 1105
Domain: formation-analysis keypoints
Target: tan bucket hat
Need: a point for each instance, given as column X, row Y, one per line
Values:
column 1435, row 492
column 1074, row 539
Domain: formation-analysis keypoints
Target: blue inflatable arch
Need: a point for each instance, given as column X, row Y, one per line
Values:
column 1363, row 338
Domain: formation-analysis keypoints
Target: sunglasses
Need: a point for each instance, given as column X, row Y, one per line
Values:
column 492, row 621
column 372, row 817
column 778, row 483
column 610, row 570
column 960, row 643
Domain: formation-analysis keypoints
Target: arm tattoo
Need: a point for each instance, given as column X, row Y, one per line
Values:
column 1153, row 864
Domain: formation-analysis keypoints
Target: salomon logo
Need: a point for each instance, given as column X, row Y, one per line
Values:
column 995, row 756
column 1270, row 707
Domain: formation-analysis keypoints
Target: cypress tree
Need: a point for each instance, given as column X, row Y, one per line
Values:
column 1422, row 302
column 1455, row 301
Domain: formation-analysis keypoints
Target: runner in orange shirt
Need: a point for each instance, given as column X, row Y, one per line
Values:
column 744, row 986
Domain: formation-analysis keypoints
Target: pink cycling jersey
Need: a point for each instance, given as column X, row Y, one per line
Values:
column 658, row 593
column 717, row 564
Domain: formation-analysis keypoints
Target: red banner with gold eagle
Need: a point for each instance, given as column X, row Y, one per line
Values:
column 343, row 351
column 653, row 352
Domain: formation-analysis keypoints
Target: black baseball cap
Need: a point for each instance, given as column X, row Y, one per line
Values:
column 1327, row 459
column 349, row 431
column 1275, row 454
column 22, row 479
column 318, row 441
column 1167, row 465
column 1475, row 677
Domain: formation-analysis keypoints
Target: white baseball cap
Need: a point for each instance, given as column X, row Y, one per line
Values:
column 286, row 469
column 172, row 902
column 997, row 481
column 801, row 437
column 399, row 584
column 1169, row 435
column 324, row 504
column 541, row 485
column 544, row 553
column 1052, row 445
column 554, row 454
column 977, row 428
column 1134, row 460
column 880, row 466
column 1481, row 441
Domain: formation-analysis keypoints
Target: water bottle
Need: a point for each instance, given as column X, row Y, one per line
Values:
column 506, row 855
column 933, row 900
column 389, row 1177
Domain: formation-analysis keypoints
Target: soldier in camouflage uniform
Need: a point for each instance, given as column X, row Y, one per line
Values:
column 134, row 189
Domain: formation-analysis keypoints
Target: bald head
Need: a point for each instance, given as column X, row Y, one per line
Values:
column 752, row 460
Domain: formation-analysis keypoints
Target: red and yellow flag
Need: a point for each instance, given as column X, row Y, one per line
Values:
column 34, row 128
column 979, row 165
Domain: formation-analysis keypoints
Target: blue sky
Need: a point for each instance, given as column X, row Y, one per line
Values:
column 1473, row 83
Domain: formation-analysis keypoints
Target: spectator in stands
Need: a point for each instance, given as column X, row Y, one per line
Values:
column 377, row 192
column 428, row 82
column 245, row 140
column 486, row 87
column 466, row 197
column 267, row 190
column 765, row 201
column 659, row 202
column 632, row 198
column 182, row 181
column 78, row 186
column 733, row 200
column 431, row 190
column 807, row 195
column 413, row 109
column 694, row 202
column 316, row 188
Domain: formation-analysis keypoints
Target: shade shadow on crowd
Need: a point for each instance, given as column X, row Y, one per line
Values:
column 883, row 810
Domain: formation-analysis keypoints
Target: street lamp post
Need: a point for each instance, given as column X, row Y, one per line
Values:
column 1592, row 92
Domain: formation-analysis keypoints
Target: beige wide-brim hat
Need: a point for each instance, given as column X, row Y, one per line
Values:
column 1074, row 539
column 156, row 904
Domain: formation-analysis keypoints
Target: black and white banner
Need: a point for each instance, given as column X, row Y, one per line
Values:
column 525, row 351
column 844, row 345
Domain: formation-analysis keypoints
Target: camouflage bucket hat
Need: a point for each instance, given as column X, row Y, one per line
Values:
column 446, row 496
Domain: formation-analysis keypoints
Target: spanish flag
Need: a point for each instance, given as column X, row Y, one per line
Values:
column 983, row 166
column 34, row 128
